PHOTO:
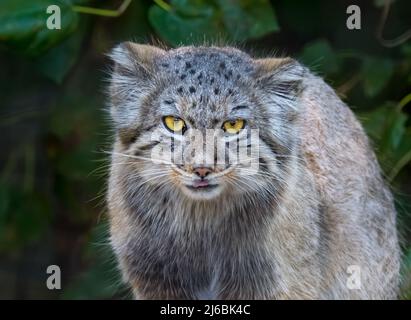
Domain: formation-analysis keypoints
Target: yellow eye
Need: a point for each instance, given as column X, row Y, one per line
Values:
column 174, row 124
column 233, row 126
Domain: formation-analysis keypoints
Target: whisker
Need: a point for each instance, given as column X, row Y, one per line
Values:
column 138, row 157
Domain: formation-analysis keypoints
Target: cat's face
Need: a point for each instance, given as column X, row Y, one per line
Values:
column 204, row 121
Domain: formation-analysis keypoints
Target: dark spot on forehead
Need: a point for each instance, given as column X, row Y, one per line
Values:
column 192, row 89
column 182, row 77
column 216, row 91
column 200, row 76
column 222, row 65
column 192, row 71
column 188, row 65
column 190, row 119
column 165, row 65
column 180, row 90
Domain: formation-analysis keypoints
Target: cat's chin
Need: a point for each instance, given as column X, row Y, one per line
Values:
column 202, row 193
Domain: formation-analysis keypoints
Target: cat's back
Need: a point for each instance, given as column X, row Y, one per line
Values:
column 358, row 216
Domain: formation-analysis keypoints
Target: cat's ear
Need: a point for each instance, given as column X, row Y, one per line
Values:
column 132, row 79
column 280, row 76
column 136, row 60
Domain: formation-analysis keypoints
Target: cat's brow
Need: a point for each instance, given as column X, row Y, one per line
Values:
column 169, row 109
column 239, row 108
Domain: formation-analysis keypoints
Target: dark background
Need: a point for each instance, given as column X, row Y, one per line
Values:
column 54, row 130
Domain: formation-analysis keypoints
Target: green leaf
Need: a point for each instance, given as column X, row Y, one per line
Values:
column 386, row 125
column 193, row 8
column 189, row 22
column 247, row 19
column 57, row 62
column 186, row 24
column 376, row 73
column 23, row 25
column 397, row 130
column 321, row 57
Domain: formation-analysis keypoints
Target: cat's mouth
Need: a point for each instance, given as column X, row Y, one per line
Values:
column 201, row 185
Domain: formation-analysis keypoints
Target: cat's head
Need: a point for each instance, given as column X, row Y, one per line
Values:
column 204, row 120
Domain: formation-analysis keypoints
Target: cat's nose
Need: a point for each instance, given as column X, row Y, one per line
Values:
column 202, row 172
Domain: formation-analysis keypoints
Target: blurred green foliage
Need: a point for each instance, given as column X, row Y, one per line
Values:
column 53, row 130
